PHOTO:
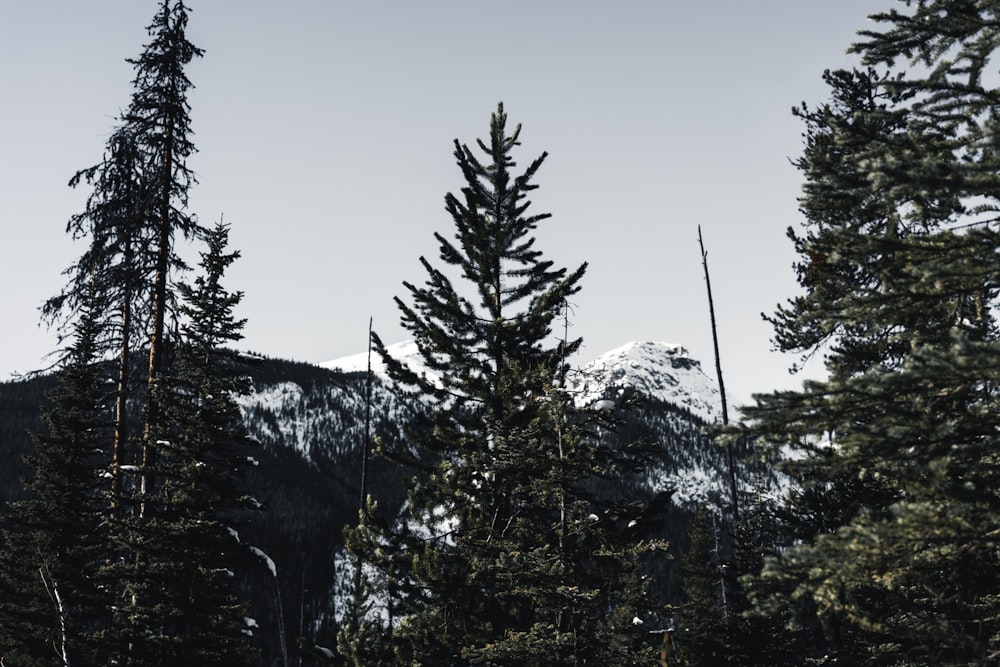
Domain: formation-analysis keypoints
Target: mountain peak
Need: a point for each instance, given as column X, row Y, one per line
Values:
column 664, row 371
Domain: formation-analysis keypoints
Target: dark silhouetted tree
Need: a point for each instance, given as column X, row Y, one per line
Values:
column 54, row 599
column 504, row 556
column 186, row 609
column 896, row 559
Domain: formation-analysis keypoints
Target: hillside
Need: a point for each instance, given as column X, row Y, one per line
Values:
column 310, row 421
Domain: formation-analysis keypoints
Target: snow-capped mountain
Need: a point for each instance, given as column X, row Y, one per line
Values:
column 677, row 401
column 319, row 411
column 661, row 371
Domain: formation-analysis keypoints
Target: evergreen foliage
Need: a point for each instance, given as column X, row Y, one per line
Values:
column 504, row 556
column 184, row 607
column 136, row 207
column 113, row 222
column 136, row 566
column 53, row 601
column 158, row 120
column 21, row 404
column 703, row 628
column 897, row 562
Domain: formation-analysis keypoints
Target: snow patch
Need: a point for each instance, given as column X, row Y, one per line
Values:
column 407, row 352
column 286, row 399
column 267, row 561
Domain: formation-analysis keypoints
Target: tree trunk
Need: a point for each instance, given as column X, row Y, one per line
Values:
column 118, row 453
column 156, row 338
column 722, row 386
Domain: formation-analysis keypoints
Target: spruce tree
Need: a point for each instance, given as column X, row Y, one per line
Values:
column 703, row 632
column 152, row 582
column 186, row 609
column 115, row 265
column 505, row 557
column 158, row 119
column 138, row 205
column 54, row 600
column 900, row 275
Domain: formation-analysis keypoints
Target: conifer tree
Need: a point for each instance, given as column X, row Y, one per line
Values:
column 137, row 206
column 186, row 609
column 703, row 631
column 54, row 601
column 365, row 639
column 505, row 557
column 167, row 569
column 900, row 276
column 115, row 263
column 158, row 119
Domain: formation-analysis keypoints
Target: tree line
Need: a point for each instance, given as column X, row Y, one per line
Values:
column 514, row 547
column 124, row 551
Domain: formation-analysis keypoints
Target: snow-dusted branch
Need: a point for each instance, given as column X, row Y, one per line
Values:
column 52, row 590
column 279, row 612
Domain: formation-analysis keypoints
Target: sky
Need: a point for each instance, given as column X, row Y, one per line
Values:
column 325, row 128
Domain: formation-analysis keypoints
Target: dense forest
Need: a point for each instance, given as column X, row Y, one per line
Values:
column 470, row 510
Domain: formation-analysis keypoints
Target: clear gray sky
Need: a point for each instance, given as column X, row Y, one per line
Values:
column 324, row 131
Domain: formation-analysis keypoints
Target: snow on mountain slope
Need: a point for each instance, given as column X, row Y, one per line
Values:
column 320, row 414
column 283, row 398
column 324, row 414
column 355, row 363
column 663, row 371
column 405, row 352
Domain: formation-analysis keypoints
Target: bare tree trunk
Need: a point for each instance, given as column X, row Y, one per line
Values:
column 156, row 337
column 281, row 623
column 52, row 589
column 366, row 446
column 722, row 576
column 121, row 394
column 363, row 511
column 722, row 387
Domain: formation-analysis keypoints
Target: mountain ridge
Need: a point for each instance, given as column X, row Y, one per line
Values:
column 658, row 369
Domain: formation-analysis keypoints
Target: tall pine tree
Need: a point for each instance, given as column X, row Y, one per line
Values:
column 54, row 598
column 168, row 551
column 186, row 609
column 898, row 561
column 137, row 206
column 505, row 557
column 158, row 119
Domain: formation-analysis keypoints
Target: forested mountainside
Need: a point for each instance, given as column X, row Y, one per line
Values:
column 529, row 528
column 310, row 421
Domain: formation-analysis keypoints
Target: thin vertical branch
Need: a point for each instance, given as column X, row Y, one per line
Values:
column 359, row 562
column 366, row 446
column 722, row 386
column 559, row 432
column 302, row 610
column 52, row 590
column 281, row 622
column 722, row 577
